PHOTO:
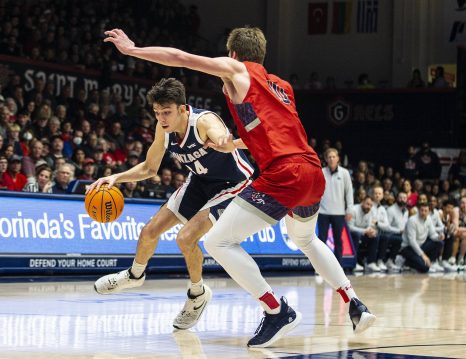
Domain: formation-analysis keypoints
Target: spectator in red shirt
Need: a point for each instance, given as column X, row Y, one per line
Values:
column 4, row 181
column 16, row 180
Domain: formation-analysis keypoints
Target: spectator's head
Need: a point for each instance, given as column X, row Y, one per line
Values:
column 387, row 184
column 57, row 144
column 406, row 186
column 156, row 179
column 107, row 171
column 37, row 148
column 14, row 164
column 332, row 158
column 178, row 180
column 133, row 158
column 1, row 142
column 79, row 156
column 64, row 174
column 3, row 164
column 8, row 151
column 43, row 175
column 166, row 176
column 13, row 132
column 360, row 194
column 433, row 202
column 463, row 204
column 377, row 194
column 247, row 44
column 416, row 74
column 422, row 199
column 425, row 147
column 439, row 72
column 446, row 186
column 361, row 178
column 402, row 199
column 23, row 119
column 366, row 204
column 418, row 185
column 423, row 210
column 362, row 167
column 448, row 206
column 411, row 150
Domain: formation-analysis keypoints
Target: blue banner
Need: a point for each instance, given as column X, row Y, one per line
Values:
column 60, row 225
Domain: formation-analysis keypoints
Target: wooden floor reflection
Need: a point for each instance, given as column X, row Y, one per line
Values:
column 418, row 315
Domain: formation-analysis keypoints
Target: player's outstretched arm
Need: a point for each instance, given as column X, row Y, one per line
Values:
column 223, row 67
column 143, row 170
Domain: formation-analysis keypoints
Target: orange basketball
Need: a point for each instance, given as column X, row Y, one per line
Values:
column 104, row 205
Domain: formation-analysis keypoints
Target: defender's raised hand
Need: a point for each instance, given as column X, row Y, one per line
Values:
column 122, row 42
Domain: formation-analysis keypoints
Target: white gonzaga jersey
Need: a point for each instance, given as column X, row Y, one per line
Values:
column 207, row 163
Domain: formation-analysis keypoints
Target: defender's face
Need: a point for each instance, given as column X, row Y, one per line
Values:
column 169, row 116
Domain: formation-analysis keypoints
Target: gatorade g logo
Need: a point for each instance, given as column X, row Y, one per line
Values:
column 339, row 111
column 285, row 236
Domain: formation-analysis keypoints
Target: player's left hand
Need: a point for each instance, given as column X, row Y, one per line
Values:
column 122, row 42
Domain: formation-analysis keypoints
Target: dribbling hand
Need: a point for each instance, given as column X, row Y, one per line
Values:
column 110, row 180
column 122, row 42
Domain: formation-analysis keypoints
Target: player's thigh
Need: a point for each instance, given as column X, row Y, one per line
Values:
column 161, row 222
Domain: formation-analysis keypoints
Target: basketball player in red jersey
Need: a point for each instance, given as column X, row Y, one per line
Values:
column 290, row 184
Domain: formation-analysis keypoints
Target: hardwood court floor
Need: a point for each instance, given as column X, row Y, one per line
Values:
column 418, row 315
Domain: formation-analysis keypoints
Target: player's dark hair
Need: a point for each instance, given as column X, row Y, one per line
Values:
column 167, row 91
column 249, row 43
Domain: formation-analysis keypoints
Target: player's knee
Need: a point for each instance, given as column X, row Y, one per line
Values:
column 148, row 233
column 185, row 241
column 211, row 245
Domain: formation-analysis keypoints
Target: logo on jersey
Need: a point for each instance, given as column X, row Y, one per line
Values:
column 188, row 158
column 279, row 92
column 191, row 145
column 339, row 111
column 258, row 197
column 247, row 116
column 286, row 238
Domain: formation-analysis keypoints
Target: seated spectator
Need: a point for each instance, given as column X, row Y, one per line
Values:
column 439, row 80
column 4, row 182
column 56, row 151
column 130, row 190
column 416, row 80
column 166, row 178
column 364, row 233
column 89, row 170
column 421, row 244
column 178, row 180
column 313, row 83
column 458, row 169
column 461, row 233
column 29, row 162
column 43, row 181
column 450, row 219
column 153, row 188
column 63, row 176
column 15, row 179
column 388, row 245
column 412, row 196
column 364, row 82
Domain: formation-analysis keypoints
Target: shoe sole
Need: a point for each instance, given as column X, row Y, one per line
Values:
column 366, row 321
column 281, row 333
column 208, row 298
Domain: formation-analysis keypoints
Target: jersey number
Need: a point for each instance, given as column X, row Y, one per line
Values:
column 200, row 169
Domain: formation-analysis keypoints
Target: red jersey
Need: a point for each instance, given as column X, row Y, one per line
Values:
column 268, row 122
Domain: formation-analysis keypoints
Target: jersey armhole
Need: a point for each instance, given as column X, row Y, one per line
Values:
column 167, row 139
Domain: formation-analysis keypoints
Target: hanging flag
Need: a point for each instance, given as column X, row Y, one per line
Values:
column 317, row 18
column 367, row 15
column 342, row 11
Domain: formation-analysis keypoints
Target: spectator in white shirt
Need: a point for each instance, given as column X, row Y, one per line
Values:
column 397, row 215
column 336, row 201
column 388, row 246
column 421, row 243
column 364, row 233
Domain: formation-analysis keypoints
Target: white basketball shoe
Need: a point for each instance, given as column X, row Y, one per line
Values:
column 116, row 282
column 193, row 309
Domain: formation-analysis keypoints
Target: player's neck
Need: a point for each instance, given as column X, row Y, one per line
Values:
column 183, row 127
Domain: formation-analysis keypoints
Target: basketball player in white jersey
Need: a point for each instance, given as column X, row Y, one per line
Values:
column 215, row 178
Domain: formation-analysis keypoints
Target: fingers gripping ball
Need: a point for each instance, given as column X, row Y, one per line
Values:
column 104, row 205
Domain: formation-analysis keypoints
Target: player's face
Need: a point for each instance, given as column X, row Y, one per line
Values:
column 169, row 116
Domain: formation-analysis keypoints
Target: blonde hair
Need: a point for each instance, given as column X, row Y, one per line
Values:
column 248, row 43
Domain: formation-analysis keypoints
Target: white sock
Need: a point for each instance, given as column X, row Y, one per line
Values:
column 196, row 288
column 137, row 269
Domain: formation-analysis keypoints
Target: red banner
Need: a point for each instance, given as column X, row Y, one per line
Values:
column 317, row 18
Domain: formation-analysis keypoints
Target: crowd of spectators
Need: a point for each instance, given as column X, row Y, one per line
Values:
column 399, row 217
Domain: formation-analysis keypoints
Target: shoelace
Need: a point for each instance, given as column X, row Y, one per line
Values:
column 261, row 324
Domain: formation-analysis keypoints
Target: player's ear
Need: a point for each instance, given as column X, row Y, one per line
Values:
column 182, row 108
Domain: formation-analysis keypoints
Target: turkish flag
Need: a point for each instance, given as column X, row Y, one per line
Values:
column 317, row 18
